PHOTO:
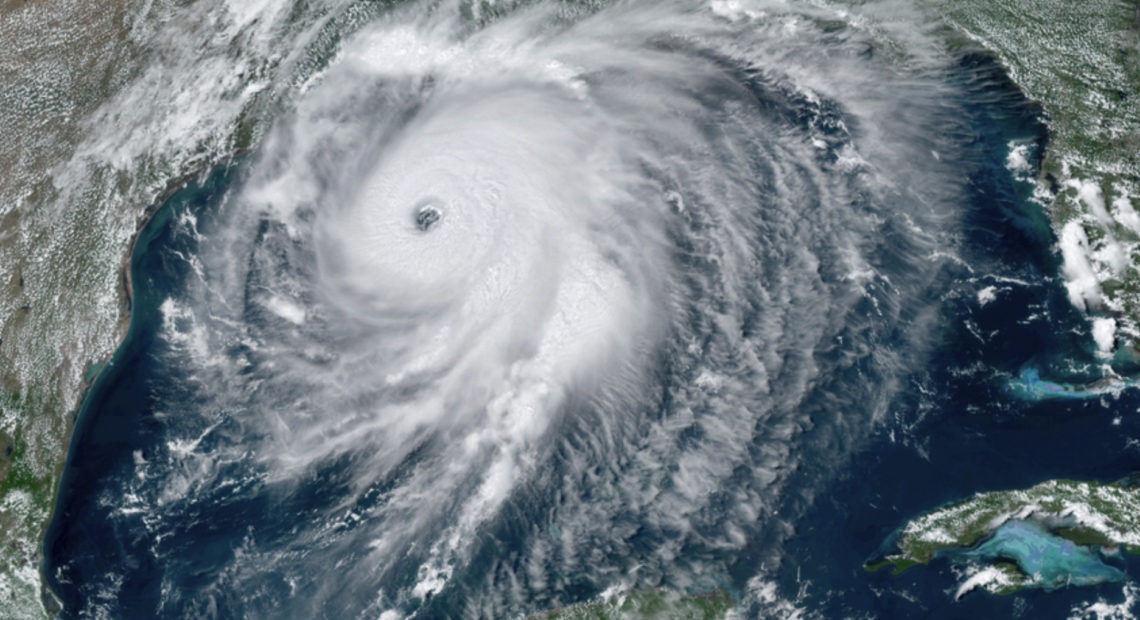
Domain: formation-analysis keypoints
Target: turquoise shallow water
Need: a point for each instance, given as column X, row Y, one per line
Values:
column 1030, row 385
column 188, row 492
column 1052, row 562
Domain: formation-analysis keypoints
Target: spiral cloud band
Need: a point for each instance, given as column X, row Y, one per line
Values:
column 582, row 286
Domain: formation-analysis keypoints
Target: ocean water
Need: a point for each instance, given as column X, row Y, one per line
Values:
column 499, row 318
column 1052, row 561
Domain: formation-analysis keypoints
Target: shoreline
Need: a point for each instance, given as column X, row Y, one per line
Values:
column 126, row 293
column 126, row 279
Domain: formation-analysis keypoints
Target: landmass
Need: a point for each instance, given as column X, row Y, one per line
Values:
column 95, row 128
column 1056, row 534
column 1081, row 62
column 1029, row 385
column 92, row 137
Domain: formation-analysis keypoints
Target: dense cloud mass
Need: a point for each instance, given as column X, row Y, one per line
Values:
column 505, row 312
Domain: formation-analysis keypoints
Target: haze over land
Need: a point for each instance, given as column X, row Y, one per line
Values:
column 109, row 107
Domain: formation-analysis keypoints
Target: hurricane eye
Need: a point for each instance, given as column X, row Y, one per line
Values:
column 428, row 216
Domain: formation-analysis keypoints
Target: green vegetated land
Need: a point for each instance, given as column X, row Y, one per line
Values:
column 1081, row 61
column 1084, row 513
column 71, row 197
column 94, row 134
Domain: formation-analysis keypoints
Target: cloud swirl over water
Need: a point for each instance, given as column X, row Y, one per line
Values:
column 507, row 313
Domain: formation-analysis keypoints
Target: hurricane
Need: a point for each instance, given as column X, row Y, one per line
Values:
column 513, row 306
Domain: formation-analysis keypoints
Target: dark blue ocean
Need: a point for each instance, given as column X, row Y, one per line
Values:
column 952, row 429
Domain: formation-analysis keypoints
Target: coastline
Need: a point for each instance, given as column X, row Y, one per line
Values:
column 97, row 381
column 127, row 298
column 126, row 279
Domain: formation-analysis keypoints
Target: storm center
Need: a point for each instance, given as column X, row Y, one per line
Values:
column 428, row 215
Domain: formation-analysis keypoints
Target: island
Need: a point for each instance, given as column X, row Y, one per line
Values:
column 1057, row 534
